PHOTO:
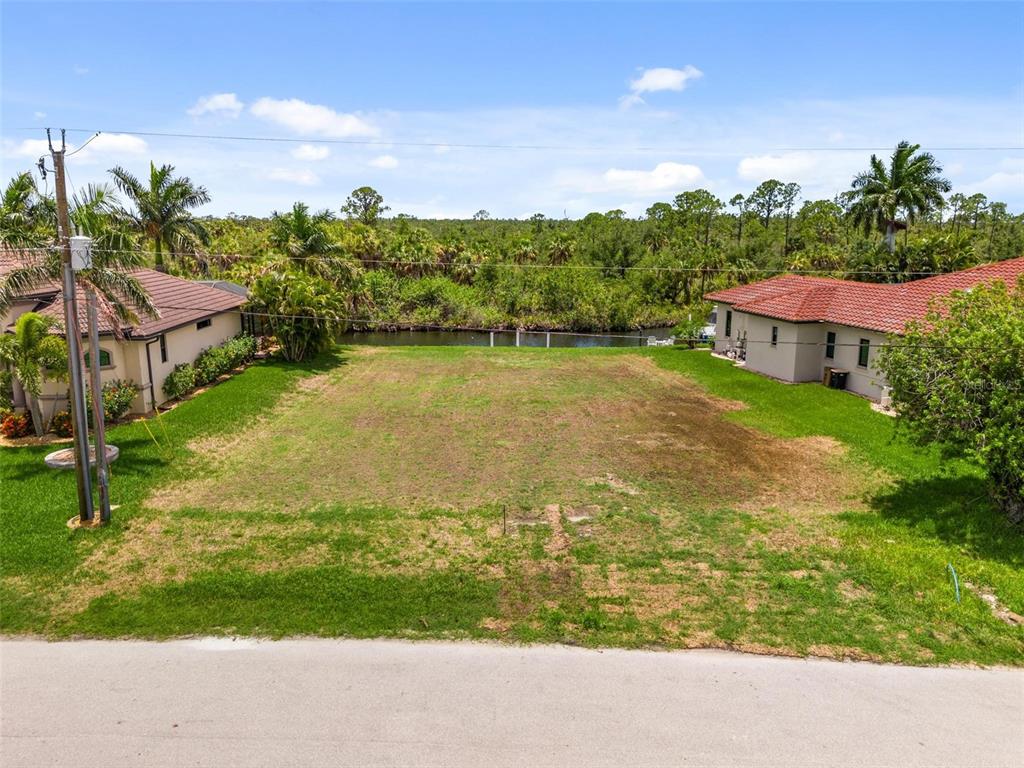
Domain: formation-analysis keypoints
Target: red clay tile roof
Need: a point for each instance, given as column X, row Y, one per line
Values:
column 179, row 302
column 12, row 258
column 875, row 306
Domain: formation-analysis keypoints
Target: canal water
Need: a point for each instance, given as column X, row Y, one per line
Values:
column 501, row 338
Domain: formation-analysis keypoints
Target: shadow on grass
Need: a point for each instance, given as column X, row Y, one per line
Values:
column 956, row 510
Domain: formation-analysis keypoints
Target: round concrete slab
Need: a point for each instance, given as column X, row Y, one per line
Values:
column 65, row 457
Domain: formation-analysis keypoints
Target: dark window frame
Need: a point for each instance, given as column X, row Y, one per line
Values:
column 728, row 323
column 830, row 345
column 104, row 356
column 204, row 324
column 163, row 348
column 863, row 353
column 775, row 335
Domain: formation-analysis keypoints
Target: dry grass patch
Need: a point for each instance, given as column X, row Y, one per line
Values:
column 414, row 431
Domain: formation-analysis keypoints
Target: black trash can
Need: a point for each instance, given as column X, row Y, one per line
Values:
column 837, row 378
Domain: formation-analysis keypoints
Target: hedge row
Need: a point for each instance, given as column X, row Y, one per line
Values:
column 211, row 363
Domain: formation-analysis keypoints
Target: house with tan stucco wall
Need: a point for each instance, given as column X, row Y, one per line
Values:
column 191, row 317
column 797, row 328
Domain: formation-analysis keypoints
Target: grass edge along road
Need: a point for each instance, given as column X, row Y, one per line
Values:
column 869, row 581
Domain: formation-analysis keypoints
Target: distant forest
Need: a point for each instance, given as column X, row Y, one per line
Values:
column 606, row 271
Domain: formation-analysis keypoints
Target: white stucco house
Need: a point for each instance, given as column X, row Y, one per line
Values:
column 192, row 316
column 795, row 328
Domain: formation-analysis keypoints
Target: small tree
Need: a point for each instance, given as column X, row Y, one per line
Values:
column 303, row 311
column 365, row 205
column 30, row 353
column 957, row 381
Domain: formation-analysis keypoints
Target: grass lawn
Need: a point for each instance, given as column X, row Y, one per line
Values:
column 601, row 497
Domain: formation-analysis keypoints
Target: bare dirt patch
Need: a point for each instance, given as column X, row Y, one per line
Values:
column 414, row 431
column 999, row 610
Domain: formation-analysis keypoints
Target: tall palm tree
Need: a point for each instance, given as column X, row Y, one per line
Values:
column 29, row 352
column 120, row 297
column 23, row 213
column 911, row 185
column 163, row 210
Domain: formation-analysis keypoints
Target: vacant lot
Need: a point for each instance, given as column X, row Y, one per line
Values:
column 600, row 497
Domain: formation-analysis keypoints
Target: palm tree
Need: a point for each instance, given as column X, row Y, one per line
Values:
column 119, row 295
column 911, row 185
column 302, row 236
column 29, row 352
column 23, row 214
column 162, row 210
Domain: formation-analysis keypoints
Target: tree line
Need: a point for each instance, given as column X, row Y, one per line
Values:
column 362, row 268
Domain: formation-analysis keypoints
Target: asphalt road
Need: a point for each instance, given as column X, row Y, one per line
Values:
column 369, row 703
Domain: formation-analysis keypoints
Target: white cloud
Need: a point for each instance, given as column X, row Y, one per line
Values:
column 385, row 161
column 30, row 148
column 301, row 176
column 659, row 79
column 80, row 70
column 39, row 115
column 999, row 183
column 302, row 117
column 664, row 79
column 785, row 166
column 226, row 104
column 112, row 146
column 821, row 173
column 310, row 152
column 663, row 177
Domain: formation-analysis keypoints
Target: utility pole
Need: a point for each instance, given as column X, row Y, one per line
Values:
column 96, row 385
column 79, row 422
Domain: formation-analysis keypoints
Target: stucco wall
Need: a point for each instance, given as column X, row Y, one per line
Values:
column 724, row 343
column 128, row 361
column 53, row 394
column 804, row 360
column 864, row 381
column 779, row 361
column 183, row 346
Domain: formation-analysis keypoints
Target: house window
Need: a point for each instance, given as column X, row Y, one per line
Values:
column 862, row 353
column 728, row 323
column 775, row 335
column 830, row 345
column 163, row 349
column 204, row 324
column 105, row 361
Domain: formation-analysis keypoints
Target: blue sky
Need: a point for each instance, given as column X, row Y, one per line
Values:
column 640, row 101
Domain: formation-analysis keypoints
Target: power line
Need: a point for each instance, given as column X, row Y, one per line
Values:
column 822, row 273
column 87, row 143
column 543, row 147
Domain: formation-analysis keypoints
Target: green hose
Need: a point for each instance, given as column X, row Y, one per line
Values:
column 956, row 581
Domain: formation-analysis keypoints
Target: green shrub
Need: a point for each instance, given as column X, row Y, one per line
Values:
column 216, row 361
column 210, row 365
column 117, row 399
column 180, row 381
column 60, row 424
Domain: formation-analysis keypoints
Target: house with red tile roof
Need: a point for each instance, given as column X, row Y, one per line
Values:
column 798, row 328
column 191, row 316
